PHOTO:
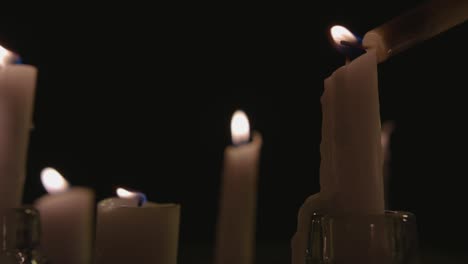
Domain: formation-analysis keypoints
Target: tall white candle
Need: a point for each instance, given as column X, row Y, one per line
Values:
column 131, row 230
column 235, row 240
column 67, row 216
column 351, row 179
column 356, row 154
column 17, row 87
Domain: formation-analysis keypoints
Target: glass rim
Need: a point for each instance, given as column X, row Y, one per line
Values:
column 387, row 214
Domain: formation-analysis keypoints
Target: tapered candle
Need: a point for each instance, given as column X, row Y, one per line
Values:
column 67, row 215
column 17, row 88
column 132, row 230
column 235, row 237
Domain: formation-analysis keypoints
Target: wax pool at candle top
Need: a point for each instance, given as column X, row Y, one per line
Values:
column 122, row 224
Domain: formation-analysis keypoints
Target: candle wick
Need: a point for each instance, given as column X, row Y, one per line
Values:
column 141, row 199
column 351, row 50
column 355, row 45
column 243, row 142
column 347, row 60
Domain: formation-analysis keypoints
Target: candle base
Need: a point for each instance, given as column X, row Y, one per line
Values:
column 389, row 238
column 20, row 233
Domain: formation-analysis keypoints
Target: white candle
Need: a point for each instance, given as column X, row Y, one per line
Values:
column 131, row 230
column 235, row 241
column 67, row 216
column 352, row 123
column 351, row 180
column 17, row 87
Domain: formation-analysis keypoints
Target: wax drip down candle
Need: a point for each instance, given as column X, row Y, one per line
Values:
column 352, row 124
column 132, row 230
column 351, row 180
column 17, row 88
column 235, row 236
column 67, row 215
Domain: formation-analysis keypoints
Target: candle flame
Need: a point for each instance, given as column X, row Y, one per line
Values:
column 122, row 193
column 4, row 54
column 53, row 181
column 340, row 33
column 7, row 57
column 126, row 194
column 240, row 128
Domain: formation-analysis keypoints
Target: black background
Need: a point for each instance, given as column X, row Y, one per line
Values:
column 141, row 96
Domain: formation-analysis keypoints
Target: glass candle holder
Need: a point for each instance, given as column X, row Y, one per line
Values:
column 390, row 238
column 20, row 236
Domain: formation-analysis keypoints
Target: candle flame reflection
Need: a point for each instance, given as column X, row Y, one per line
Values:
column 240, row 128
column 53, row 181
column 340, row 33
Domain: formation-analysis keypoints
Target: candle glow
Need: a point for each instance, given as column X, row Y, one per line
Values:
column 53, row 181
column 240, row 128
column 7, row 57
column 3, row 55
column 122, row 193
column 126, row 194
column 340, row 33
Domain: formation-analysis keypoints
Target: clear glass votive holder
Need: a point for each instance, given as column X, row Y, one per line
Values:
column 389, row 238
column 20, row 233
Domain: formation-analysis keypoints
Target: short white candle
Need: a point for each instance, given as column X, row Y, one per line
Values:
column 235, row 241
column 17, row 87
column 67, row 216
column 132, row 230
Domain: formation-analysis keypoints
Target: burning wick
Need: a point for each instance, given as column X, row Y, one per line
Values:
column 123, row 193
column 346, row 42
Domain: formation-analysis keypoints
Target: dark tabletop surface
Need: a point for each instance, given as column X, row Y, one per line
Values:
column 279, row 253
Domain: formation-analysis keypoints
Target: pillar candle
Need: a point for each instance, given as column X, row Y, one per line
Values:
column 351, row 180
column 67, row 215
column 132, row 230
column 235, row 240
column 17, row 87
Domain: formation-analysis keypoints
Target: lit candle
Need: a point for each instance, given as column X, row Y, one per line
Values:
column 67, row 216
column 235, row 241
column 351, row 180
column 426, row 21
column 17, row 87
column 353, row 154
column 132, row 230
